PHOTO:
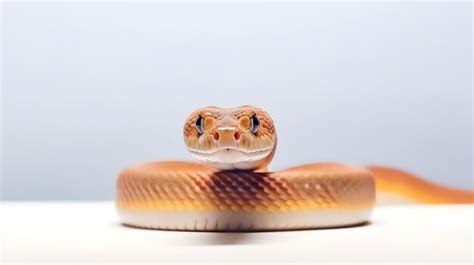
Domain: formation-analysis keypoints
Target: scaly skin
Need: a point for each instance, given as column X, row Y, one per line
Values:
column 233, row 192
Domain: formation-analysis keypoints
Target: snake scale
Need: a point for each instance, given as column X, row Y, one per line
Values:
column 231, row 190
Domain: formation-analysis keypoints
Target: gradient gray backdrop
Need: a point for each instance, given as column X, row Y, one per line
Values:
column 90, row 88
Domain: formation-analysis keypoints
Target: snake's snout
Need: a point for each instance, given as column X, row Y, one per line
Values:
column 217, row 135
column 227, row 137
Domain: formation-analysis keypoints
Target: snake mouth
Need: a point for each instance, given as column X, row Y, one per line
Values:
column 230, row 155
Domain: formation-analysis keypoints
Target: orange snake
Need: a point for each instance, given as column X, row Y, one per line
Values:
column 232, row 191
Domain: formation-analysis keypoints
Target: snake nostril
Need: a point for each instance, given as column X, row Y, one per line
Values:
column 237, row 136
column 216, row 136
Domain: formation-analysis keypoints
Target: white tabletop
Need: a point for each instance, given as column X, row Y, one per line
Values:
column 89, row 231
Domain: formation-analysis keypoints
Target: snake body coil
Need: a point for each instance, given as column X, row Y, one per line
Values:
column 232, row 191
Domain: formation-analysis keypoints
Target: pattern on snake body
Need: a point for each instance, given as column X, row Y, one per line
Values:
column 231, row 190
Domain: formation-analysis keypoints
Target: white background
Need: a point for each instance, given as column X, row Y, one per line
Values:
column 90, row 88
column 67, row 232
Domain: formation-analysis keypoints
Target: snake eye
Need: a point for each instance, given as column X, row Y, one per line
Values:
column 254, row 124
column 199, row 125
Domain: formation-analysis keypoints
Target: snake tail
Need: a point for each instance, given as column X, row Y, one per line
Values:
column 397, row 186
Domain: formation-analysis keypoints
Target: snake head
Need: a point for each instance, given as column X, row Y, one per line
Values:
column 231, row 138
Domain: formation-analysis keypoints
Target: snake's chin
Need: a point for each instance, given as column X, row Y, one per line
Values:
column 231, row 158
